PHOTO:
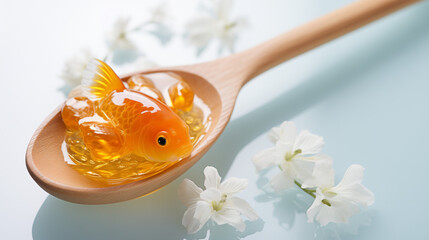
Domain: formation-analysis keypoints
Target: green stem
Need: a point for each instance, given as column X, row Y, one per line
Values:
column 311, row 193
column 308, row 191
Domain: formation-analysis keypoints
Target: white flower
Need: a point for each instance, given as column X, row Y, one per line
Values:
column 338, row 203
column 294, row 155
column 159, row 14
column 216, row 202
column 74, row 68
column 214, row 24
column 118, row 38
column 159, row 23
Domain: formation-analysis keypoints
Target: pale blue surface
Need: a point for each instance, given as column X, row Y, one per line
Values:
column 367, row 94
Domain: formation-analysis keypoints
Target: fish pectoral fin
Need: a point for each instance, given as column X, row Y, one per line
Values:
column 103, row 140
column 99, row 80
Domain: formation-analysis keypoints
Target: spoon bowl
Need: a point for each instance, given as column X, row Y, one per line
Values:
column 217, row 83
column 52, row 173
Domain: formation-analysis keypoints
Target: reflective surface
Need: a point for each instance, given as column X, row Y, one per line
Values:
column 365, row 93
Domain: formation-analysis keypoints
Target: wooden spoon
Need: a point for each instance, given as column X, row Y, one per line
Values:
column 217, row 83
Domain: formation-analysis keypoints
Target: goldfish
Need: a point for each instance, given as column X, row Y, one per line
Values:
column 116, row 121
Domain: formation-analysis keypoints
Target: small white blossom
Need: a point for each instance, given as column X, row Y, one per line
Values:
column 338, row 203
column 215, row 24
column 159, row 14
column 74, row 68
column 293, row 154
column 118, row 37
column 216, row 202
column 159, row 23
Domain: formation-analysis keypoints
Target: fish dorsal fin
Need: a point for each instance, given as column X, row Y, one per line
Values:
column 99, row 80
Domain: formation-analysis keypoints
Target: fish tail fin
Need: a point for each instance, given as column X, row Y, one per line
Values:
column 99, row 80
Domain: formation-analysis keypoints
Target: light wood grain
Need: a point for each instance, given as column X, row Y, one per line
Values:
column 217, row 83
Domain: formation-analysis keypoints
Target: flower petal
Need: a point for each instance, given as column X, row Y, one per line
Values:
column 339, row 212
column 203, row 212
column 211, row 194
column 189, row 193
column 281, row 181
column 323, row 173
column 117, row 38
column 303, row 169
column 223, row 8
column 73, row 69
column 191, row 224
column 314, row 209
column 274, row 134
column 351, row 187
column 229, row 216
column 353, row 174
column 264, row 159
column 244, row 208
column 288, row 132
column 282, row 148
column 212, row 178
column 309, row 143
column 200, row 31
column 359, row 194
column 233, row 185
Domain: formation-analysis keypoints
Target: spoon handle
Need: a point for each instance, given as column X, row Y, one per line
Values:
column 256, row 60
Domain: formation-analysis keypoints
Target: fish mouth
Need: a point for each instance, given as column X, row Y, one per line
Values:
column 184, row 151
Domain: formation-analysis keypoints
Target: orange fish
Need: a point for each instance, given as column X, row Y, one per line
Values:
column 127, row 121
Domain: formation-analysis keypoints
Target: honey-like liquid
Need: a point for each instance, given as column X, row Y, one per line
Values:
column 166, row 87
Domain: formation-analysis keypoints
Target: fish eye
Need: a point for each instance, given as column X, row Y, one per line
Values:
column 162, row 141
